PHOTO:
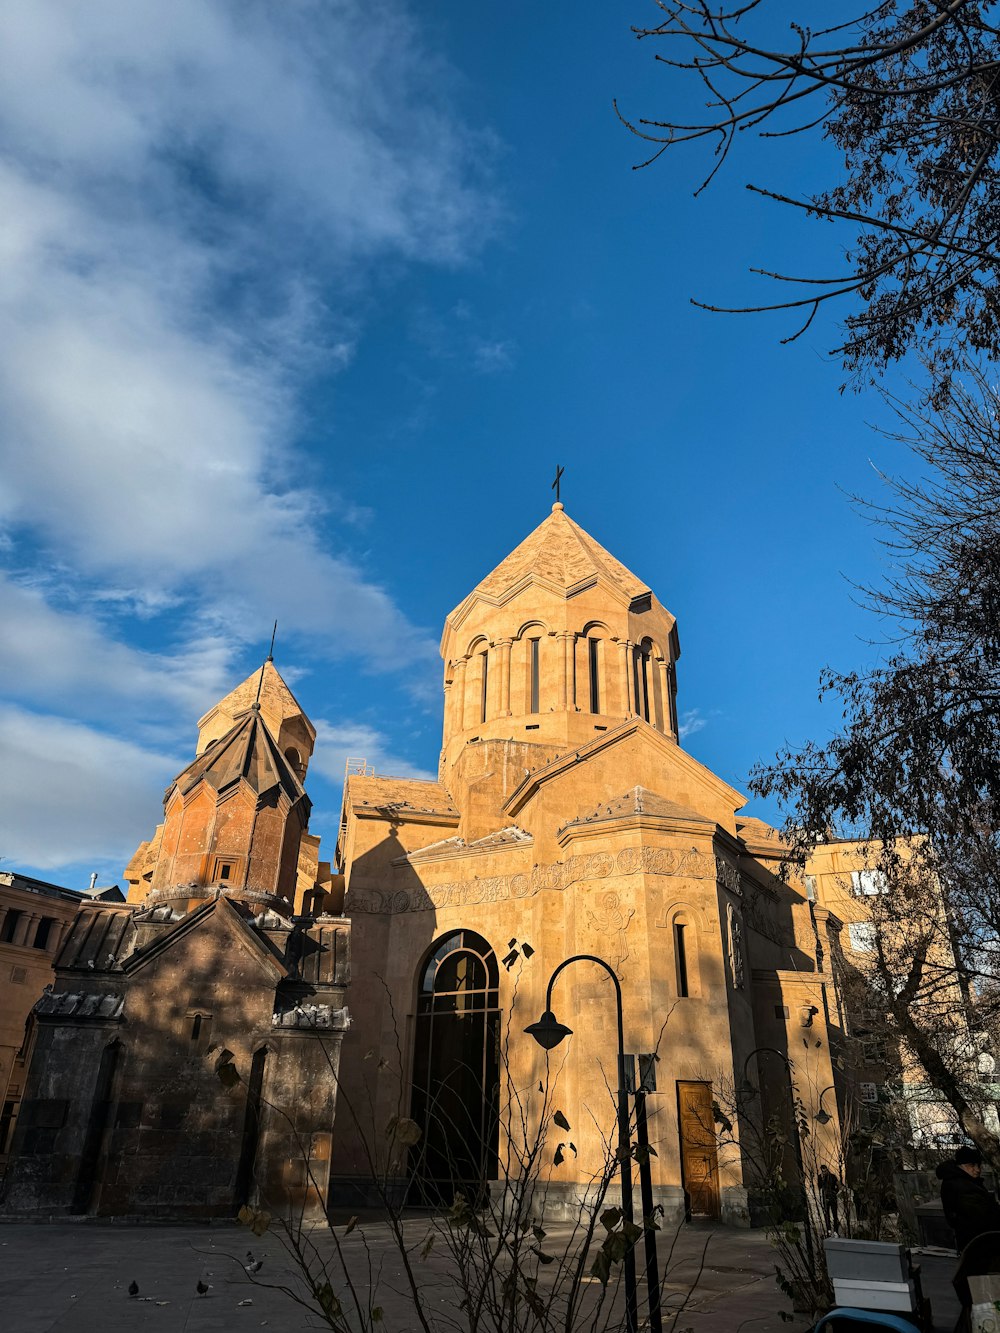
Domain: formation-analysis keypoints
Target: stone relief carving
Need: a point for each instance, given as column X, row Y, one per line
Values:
column 558, row 877
column 613, row 920
column 728, row 876
column 760, row 915
column 735, row 947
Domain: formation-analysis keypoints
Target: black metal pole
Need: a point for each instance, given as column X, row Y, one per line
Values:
column 646, row 1192
column 624, row 1138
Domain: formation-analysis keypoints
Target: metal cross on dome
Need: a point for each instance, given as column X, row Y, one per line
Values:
column 555, row 484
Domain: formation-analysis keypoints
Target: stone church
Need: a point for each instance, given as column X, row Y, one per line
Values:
column 566, row 819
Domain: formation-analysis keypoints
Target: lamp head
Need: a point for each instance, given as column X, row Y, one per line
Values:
column 822, row 1117
column 548, row 1031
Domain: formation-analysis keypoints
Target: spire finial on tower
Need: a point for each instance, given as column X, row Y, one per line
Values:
column 268, row 658
column 555, row 486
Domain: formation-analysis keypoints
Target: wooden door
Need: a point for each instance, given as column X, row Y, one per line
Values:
column 699, row 1156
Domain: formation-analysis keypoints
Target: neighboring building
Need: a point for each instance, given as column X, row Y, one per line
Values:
column 886, row 1081
column 222, row 956
column 34, row 919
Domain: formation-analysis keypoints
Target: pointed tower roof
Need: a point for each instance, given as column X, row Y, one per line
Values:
column 249, row 752
column 278, row 705
column 560, row 555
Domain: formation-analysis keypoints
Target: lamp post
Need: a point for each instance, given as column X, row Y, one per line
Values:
column 747, row 1089
column 549, row 1032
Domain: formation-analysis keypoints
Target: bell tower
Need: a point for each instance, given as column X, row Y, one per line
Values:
column 234, row 819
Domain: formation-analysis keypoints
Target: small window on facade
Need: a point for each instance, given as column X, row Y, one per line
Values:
column 781, row 1011
column 10, row 925
column 862, row 936
column 225, row 870
column 595, row 679
column 680, row 956
column 642, row 703
column 869, row 883
column 534, row 651
column 42, row 932
column 196, row 1027
column 485, row 657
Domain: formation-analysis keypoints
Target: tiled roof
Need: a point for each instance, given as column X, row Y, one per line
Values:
column 404, row 793
column 98, row 940
column 561, row 553
column 81, row 1004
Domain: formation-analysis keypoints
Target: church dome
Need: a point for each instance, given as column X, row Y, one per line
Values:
column 556, row 644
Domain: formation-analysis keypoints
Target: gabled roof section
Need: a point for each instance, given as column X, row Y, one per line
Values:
column 639, row 801
column 560, row 555
column 247, row 752
column 671, row 751
column 230, row 918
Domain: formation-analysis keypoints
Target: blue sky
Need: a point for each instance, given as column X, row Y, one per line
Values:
column 301, row 304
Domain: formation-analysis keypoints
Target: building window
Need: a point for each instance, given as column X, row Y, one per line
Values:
column 534, row 650
column 868, row 1092
column 595, row 679
column 10, row 925
column 868, row 883
column 456, row 1069
column 862, row 936
column 680, row 957
column 642, row 683
column 224, row 871
column 42, row 932
column 199, row 1029
column 484, row 658
column 7, row 1118
column 873, row 1051
column 811, row 888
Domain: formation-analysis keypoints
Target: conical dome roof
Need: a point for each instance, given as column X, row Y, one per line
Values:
column 560, row 555
column 249, row 752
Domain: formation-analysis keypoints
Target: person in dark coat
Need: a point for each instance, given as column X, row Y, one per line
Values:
column 969, row 1207
column 829, row 1193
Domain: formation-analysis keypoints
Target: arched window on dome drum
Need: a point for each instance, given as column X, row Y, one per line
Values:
column 534, row 649
column 456, row 1071
column 594, row 661
column 642, row 680
column 648, row 701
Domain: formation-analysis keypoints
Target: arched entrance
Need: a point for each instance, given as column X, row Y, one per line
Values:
column 456, row 1070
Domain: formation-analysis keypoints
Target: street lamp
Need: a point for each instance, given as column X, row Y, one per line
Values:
column 549, row 1032
column 822, row 1116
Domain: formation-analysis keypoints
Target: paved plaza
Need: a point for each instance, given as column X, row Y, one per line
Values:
column 74, row 1278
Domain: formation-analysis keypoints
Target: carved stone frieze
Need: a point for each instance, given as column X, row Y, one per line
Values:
column 558, row 877
column 728, row 876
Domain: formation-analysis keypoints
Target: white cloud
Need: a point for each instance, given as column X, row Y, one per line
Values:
column 182, row 187
column 691, row 722
column 338, row 742
column 66, row 660
column 69, row 793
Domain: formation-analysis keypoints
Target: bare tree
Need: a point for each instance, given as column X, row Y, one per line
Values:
column 907, row 91
column 913, row 768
